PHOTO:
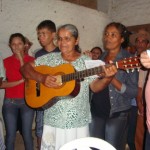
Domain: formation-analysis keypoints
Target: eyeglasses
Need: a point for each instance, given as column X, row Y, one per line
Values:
column 66, row 39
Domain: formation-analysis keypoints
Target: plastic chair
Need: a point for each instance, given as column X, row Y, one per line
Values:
column 87, row 144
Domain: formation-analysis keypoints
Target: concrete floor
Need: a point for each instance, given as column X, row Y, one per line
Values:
column 19, row 145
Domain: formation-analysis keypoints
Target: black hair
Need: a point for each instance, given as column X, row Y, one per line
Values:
column 123, row 32
column 17, row 35
column 97, row 47
column 50, row 25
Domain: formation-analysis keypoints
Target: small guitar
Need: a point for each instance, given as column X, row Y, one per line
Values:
column 37, row 95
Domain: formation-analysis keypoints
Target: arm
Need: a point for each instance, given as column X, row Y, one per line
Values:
column 139, row 100
column 116, row 83
column 129, row 86
column 20, row 57
column 6, row 84
column 28, row 72
column 99, row 84
column 141, row 84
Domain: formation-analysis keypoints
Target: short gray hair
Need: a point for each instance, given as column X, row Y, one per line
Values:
column 73, row 30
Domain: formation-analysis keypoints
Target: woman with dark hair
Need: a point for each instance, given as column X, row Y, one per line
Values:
column 110, row 107
column 69, row 118
column 14, row 100
column 96, row 52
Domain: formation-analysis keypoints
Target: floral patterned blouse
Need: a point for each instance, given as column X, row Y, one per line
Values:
column 68, row 112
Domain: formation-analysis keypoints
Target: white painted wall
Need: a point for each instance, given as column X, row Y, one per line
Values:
column 24, row 15
column 103, row 5
column 130, row 12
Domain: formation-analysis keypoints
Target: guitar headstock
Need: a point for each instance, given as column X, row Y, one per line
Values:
column 129, row 64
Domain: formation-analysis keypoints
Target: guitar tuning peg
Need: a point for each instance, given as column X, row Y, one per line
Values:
column 132, row 70
column 127, row 70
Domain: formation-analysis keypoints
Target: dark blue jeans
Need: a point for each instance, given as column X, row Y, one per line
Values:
column 132, row 127
column 10, row 110
column 113, row 130
column 39, row 123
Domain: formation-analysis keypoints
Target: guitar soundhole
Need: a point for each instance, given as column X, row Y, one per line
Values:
column 37, row 89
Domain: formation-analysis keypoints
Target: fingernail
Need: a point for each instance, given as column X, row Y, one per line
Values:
column 148, row 52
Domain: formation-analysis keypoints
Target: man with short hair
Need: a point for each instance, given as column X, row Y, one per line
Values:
column 136, row 118
column 142, row 44
column 46, row 32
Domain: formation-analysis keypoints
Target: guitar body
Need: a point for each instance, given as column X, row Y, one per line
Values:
column 45, row 95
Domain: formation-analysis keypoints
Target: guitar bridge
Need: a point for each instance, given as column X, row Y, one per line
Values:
column 37, row 89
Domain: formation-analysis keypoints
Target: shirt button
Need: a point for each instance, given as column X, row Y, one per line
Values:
column 111, row 97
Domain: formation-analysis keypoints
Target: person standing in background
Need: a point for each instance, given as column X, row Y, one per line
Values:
column 142, row 44
column 28, row 45
column 136, row 132
column 145, row 60
column 133, row 112
column 110, row 113
column 14, row 99
column 96, row 53
column 46, row 33
column 2, row 77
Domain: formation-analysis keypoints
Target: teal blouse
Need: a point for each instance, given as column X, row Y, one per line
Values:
column 68, row 112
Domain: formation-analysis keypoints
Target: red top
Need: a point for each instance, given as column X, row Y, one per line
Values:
column 12, row 68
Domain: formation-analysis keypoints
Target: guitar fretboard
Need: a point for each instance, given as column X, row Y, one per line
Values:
column 81, row 74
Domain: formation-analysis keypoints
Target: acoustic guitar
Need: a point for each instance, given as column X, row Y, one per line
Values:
column 37, row 95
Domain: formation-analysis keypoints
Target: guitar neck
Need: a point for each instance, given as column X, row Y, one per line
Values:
column 126, row 64
column 84, row 73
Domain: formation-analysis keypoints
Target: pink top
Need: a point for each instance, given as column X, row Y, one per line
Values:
column 142, row 78
column 147, row 96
